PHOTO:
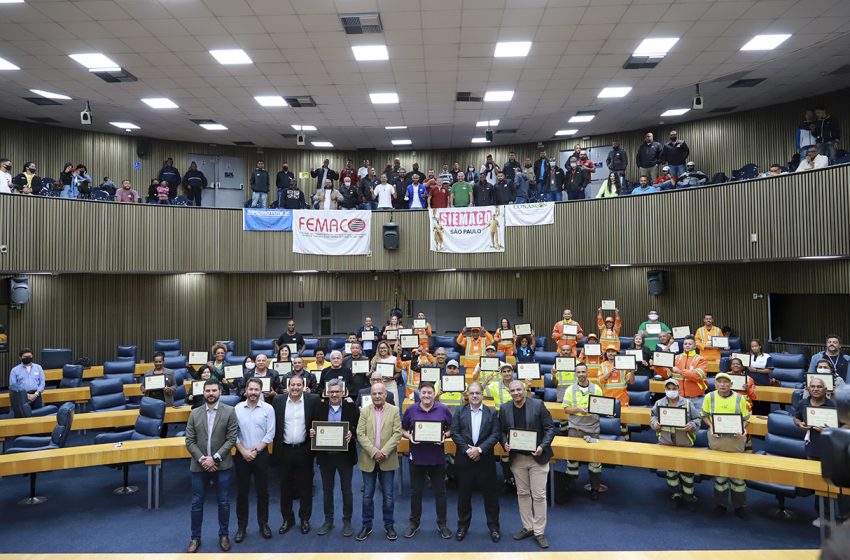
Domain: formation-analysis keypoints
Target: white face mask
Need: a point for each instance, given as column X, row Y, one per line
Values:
column 249, row 365
column 824, row 370
column 653, row 316
column 672, row 393
column 347, row 183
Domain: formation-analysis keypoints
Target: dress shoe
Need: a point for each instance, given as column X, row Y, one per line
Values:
column 542, row 541
column 524, row 534
column 324, row 529
column 741, row 513
column 594, row 495
column 240, row 535
column 347, row 531
column 224, row 543
column 266, row 531
column 194, row 545
column 495, row 536
column 305, row 526
column 444, row 531
column 364, row 533
column 411, row 530
column 719, row 510
column 287, row 525
column 461, row 533
column 391, row 534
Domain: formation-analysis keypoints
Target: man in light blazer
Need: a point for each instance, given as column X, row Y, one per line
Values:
column 476, row 431
column 378, row 433
column 530, row 468
column 211, row 433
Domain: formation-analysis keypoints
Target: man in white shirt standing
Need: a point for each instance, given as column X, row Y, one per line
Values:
column 813, row 160
column 5, row 176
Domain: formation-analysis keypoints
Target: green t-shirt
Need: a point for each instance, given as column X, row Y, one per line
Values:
column 461, row 192
column 651, row 340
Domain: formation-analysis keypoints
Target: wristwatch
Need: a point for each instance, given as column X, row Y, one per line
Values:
column 217, row 458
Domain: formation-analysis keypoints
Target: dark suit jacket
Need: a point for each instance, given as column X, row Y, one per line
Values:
column 350, row 414
column 537, row 418
column 488, row 435
column 311, row 403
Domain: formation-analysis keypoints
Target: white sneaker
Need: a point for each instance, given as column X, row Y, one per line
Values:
column 816, row 522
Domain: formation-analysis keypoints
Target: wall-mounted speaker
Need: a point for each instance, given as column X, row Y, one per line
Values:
column 143, row 147
column 655, row 282
column 391, row 236
column 19, row 290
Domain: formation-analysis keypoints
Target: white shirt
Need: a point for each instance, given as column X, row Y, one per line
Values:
column 294, row 427
column 362, row 172
column 385, row 195
column 417, row 202
column 759, row 362
column 328, row 196
column 5, row 183
column 819, row 163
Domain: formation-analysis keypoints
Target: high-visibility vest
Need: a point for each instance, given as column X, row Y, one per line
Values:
column 499, row 392
column 697, row 364
column 692, row 436
column 703, row 340
column 715, row 404
column 576, row 398
column 558, row 332
column 616, row 385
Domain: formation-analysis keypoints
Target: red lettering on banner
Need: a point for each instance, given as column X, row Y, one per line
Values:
column 331, row 225
column 474, row 218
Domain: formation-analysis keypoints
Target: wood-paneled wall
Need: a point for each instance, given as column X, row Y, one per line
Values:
column 94, row 313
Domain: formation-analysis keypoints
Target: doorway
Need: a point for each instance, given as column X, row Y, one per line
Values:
column 225, row 180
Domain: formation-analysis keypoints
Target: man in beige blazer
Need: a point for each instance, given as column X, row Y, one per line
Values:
column 210, row 436
column 378, row 433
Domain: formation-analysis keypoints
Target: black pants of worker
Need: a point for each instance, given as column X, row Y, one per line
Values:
column 296, row 480
column 195, row 195
column 480, row 475
column 259, row 470
column 331, row 464
column 418, row 475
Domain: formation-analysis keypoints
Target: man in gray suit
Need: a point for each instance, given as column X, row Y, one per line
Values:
column 210, row 436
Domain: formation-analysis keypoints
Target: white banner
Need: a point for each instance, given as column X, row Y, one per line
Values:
column 534, row 214
column 332, row 232
column 479, row 229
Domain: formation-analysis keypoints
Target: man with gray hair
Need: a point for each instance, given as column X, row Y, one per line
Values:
column 337, row 371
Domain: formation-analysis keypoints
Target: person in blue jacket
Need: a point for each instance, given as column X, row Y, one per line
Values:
column 417, row 194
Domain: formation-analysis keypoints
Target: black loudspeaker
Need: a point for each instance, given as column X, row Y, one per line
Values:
column 19, row 290
column 655, row 282
column 143, row 146
column 391, row 236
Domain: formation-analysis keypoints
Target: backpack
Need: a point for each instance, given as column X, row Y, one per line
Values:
column 718, row 178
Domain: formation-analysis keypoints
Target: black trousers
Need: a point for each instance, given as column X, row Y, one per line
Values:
column 418, row 475
column 481, row 476
column 195, row 194
column 259, row 469
column 331, row 464
column 296, row 479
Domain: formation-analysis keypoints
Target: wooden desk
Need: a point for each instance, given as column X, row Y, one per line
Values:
column 769, row 393
column 80, row 394
column 92, row 372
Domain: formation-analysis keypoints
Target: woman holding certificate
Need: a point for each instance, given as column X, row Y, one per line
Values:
column 614, row 381
column 676, row 420
column 391, row 373
column 591, row 355
column 609, row 329
column 504, row 338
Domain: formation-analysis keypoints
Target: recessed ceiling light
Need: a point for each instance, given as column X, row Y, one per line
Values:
column 49, row 95
column 399, row 127
column 674, row 112
column 581, row 118
column 512, row 48
column 213, row 126
column 765, row 42
column 305, row 271
column 271, row 100
column 402, row 142
column 488, row 123
column 231, row 56
column 480, row 141
column 322, row 144
column 567, row 132
column 11, row 1
column 6, row 65
column 620, row 265
column 125, row 125
column 304, row 127
column 159, row 103
column 96, row 62
column 370, row 52
column 381, row 98
column 655, row 48
column 498, row 95
column 615, row 92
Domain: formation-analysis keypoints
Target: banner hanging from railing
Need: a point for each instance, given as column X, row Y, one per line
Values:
column 266, row 219
column 332, row 232
column 477, row 229
column 534, row 214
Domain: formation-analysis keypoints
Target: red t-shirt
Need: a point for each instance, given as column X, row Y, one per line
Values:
column 439, row 196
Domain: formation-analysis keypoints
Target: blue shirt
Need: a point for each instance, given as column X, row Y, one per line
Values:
column 334, row 415
column 27, row 378
column 256, row 424
column 641, row 190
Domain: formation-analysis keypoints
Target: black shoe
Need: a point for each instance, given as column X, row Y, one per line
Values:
column 411, row 530
column 194, row 545
column 444, row 531
column 224, row 543
column 287, row 525
column 323, row 530
column 364, row 533
column 391, row 534
column 719, row 510
column 542, row 542
column 239, row 536
column 266, row 531
column 594, row 495
column 305, row 526
column 741, row 512
column 524, row 534
column 347, row 531
column 495, row 536
column 461, row 533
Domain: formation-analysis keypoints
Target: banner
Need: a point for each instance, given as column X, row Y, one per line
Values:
column 332, row 232
column 534, row 214
column 266, row 219
column 479, row 229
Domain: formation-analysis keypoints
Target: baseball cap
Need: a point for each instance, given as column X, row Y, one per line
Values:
column 452, row 363
column 723, row 375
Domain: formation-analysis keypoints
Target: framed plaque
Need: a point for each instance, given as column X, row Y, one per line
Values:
column 155, row 382
column 267, row 383
column 638, row 354
column 293, row 347
column 681, row 332
column 282, row 368
column 386, row 369
column 365, row 401
column 626, row 362
column 745, row 358
column 453, row 384
column 653, row 328
column 402, row 332
column 664, row 359
column 409, row 341
column 522, row 329
column 739, row 382
column 330, row 436
column 346, row 348
column 198, row 358
column 419, row 323
column 609, row 304
column 506, row 334
column 232, row 372
column 522, row 440
column 821, row 417
column 720, row 342
column 488, row 364
column 592, row 349
column 473, row 322
column 427, row 432
column 528, row 371
column 672, row 416
column 727, row 424
column 563, row 363
column 429, row 374
column 603, row 406
column 359, row 367
column 391, row 334
column 367, row 335
column 198, row 388
column 569, row 329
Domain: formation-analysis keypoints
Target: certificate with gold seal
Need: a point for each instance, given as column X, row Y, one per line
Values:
column 329, row 436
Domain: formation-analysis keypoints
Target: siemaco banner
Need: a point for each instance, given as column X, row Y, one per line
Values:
column 332, row 232
column 479, row 229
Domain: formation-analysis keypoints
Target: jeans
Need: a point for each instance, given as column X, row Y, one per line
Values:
column 258, row 199
column 69, row 192
column 676, row 170
column 370, row 481
column 418, row 475
column 666, row 186
column 827, row 149
column 578, row 195
column 519, row 200
column 200, row 482
column 552, row 196
column 371, row 205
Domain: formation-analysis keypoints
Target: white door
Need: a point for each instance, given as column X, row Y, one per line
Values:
column 225, row 178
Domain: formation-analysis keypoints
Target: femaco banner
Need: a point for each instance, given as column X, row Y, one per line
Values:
column 332, row 232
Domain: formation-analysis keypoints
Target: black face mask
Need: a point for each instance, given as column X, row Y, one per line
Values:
column 26, row 360
column 286, row 168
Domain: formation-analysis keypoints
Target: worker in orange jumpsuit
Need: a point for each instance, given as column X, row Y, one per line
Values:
column 689, row 370
column 609, row 329
column 593, row 362
column 505, row 344
column 704, row 345
column 562, row 330
column 615, row 382
column 473, row 345
column 424, row 334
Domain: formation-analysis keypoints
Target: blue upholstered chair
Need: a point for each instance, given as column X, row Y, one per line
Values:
column 55, row 358
column 107, row 394
column 118, row 367
column 793, row 378
column 72, row 376
column 261, row 346
column 127, row 352
column 170, row 347
column 175, row 362
column 335, row 344
column 21, row 408
column 447, row 342
column 543, row 357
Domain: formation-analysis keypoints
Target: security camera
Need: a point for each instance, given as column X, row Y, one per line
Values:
column 488, row 134
column 698, row 102
column 86, row 115
column 301, row 139
column 4, row 249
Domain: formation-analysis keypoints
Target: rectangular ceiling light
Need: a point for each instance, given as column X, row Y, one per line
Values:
column 505, row 49
column 383, row 98
column 567, row 132
column 125, row 125
column 480, row 141
column 96, row 62
column 6, row 65
column 655, row 48
column 364, row 53
column 578, row 118
column 498, row 95
column 231, row 56
column 304, row 127
column 213, row 126
column 402, row 142
column 614, row 92
column 321, row 144
column 674, row 112
column 271, row 101
column 765, row 42
column 49, row 95
column 159, row 103
column 399, row 127
column 11, row 1
column 487, row 123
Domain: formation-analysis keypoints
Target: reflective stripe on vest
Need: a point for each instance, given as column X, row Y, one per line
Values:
column 591, row 390
column 621, row 384
column 737, row 401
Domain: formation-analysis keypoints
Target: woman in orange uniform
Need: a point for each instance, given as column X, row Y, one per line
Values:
column 505, row 344
column 593, row 362
column 615, row 382
column 609, row 329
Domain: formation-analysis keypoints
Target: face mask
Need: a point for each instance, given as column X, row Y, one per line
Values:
column 551, row 164
column 249, row 365
column 32, row 169
column 672, row 393
column 348, row 183
column 26, row 361
column 286, row 168
column 653, row 317
column 820, row 370
column 573, row 165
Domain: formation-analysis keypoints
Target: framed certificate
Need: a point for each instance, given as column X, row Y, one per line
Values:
column 638, row 354
column 626, row 362
column 488, row 364
column 293, row 347
column 198, row 388
column 522, row 329
column 330, row 436
column 367, row 335
column 232, row 372
column 530, row 370
column 198, row 358
column 739, row 382
column 365, row 401
column 827, row 379
column 429, row 374
column 609, row 304
column 603, row 406
column 473, row 322
column 154, row 382
column 506, row 334
column 453, row 384
column 282, row 368
column 419, row 323
column 821, row 417
column 663, row 359
column 592, row 349
column 672, row 416
column 681, row 332
column 727, row 424
column 341, row 383
column 346, row 348
column 428, row 432
column 569, row 329
column 720, row 341
column 745, row 358
column 391, row 334
column 522, row 440
column 402, row 332
column 386, row 369
column 267, row 384
column 653, row 328
column 359, row 366
column 409, row 341
column 565, row 364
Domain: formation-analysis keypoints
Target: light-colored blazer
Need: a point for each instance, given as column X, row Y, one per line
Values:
column 225, row 430
column 390, row 438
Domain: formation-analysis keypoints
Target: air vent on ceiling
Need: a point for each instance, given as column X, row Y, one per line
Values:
column 506, row 131
column 203, row 121
column 723, row 110
column 41, row 101
column 244, row 143
column 841, row 70
column 731, row 77
column 468, row 97
column 300, row 101
column 641, row 63
column 359, row 24
column 43, row 120
column 751, row 82
column 119, row 76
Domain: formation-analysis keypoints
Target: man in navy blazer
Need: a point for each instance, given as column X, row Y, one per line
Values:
column 476, row 431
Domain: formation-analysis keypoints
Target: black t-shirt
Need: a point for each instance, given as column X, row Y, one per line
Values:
column 813, row 445
column 520, row 424
column 342, row 373
column 287, row 338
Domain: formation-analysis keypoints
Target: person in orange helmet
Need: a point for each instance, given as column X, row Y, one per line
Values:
column 609, row 329
column 593, row 362
column 615, row 382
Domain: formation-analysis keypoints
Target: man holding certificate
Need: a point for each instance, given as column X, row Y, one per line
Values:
column 582, row 423
column 567, row 331
column 676, row 420
column 368, row 336
column 614, row 377
column 336, row 371
column 814, row 415
column 527, row 434
column 427, row 424
column 651, row 329
column 609, row 329
column 591, row 355
column 473, row 344
column 706, row 344
column 727, row 414
column 689, row 370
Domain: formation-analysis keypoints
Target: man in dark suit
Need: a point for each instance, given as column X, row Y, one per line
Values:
column 330, row 462
column 475, row 431
column 293, row 413
column 530, row 468
column 211, row 433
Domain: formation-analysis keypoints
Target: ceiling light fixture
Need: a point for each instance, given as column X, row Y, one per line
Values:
column 480, row 141
column 125, row 125
column 614, row 92
column 383, row 98
column 567, row 132
column 365, row 53
column 581, row 118
column 402, row 142
column 304, row 127
column 399, row 127
column 213, row 126
column 321, row 144
column 96, row 62
column 655, row 48
column 499, row 95
column 487, row 123
column 271, row 101
column 231, row 56
column 49, row 95
column 765, row 42
column 159, row 103
column 674, row 112
column 506, row 49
